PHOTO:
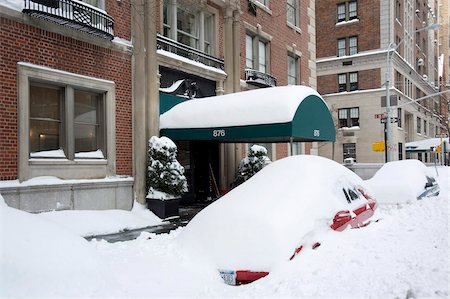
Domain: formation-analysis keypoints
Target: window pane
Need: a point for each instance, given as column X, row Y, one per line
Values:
column 86, row 121
column 349, row 150
column 353, row 45
column 291, row 11
column 262, row 56
column 248, row 52
column 342, row 79
column 341, row 47
column 292, row 70
column 45, row 118
column 352, row 10
column 208, row 33
column 187, row 28
column 354, row 112
column 353, row 77
column 341, row 12
column 342, row 113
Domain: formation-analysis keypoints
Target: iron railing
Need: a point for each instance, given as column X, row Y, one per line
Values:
column 259, row 78
column 72, row 14
column 183, row 50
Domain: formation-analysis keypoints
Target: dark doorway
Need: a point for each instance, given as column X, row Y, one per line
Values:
column 201, row 162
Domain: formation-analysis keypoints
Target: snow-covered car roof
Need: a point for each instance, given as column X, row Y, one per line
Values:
column 262, row 221
column 400, row 181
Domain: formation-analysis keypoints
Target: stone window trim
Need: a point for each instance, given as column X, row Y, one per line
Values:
column 264, row 7
column 63, row 168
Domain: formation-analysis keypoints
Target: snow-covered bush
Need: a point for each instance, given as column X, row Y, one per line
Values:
column 255, row 161
column 165, row 175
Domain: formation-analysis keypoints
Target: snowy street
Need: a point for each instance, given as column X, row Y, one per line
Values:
column 404, row 255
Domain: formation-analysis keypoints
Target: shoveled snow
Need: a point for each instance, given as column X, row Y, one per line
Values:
column 404, row 255
column 258, row 106
column 51, row 180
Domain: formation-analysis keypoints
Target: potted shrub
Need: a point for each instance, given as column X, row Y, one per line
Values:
column 256, row 160
column 165, row 178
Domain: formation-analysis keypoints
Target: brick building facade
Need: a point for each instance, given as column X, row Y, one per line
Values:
column 353, row 42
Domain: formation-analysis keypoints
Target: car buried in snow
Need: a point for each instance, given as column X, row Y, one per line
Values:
column 403, row 181
column 275, row 215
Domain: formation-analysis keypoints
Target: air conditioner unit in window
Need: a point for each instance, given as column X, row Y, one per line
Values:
column 420, row 61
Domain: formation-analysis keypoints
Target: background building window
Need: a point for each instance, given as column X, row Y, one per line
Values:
column 97, row 3
column 425, row 127
column 348, row 117
column 348, row 82
column 347, row 11
column 399, row 116
column 293, row 69
column 347, row 46
column 349, row 150
column 400, row 151
column 292, row 12
column 256, row 51
column 263, row 2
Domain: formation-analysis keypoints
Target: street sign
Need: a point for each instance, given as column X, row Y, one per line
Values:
column 380, row 115
column 441, row 135
column 393, row 120
column 378, row 146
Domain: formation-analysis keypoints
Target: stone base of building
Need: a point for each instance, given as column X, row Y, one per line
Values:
column 103, row 194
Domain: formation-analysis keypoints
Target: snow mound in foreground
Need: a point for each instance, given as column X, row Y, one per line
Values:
column 39, row 258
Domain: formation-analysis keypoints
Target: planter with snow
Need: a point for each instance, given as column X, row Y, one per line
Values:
column 165, row 178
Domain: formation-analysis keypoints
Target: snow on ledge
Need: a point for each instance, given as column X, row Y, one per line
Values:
column 191, row 62
column 98, row 154
column 49, row 154
column 51, row 180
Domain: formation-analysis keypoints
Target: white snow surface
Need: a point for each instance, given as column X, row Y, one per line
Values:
column 59, row 153
column 426, row 144
column 404, row 255
column 252, row 107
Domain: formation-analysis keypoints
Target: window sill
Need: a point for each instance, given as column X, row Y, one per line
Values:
column 296, row 28
column 343, row 23
column 45, row 161
column 262, row 6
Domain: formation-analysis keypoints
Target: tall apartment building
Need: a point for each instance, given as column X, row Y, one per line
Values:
column 65, row 104
column 444, row 54
column 362, row 45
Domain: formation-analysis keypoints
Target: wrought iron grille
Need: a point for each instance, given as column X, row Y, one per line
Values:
column 72, row 14
column 259, row 78
column 178, row 48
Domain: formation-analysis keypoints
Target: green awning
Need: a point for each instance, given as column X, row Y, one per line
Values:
column 275, row 114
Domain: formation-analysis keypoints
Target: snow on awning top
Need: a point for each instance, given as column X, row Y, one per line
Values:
column 426, row 145
column 272, row 114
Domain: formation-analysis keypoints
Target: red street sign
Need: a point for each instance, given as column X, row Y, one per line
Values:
column 381, row 115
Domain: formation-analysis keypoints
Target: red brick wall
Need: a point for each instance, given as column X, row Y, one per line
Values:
column 367, row 79
column 21, row 42
column 275, row 24
column 367, row 28
column 121, row 12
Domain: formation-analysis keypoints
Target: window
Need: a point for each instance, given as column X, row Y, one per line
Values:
column 293, row 69
column 66, row 124
column 425, row 127
column 348, row 117
column 400, row 151
column 399, row 116
column 256, row 53
column 349, row 150
column 264, row 2
column 347, row 11
column 348, row 82
column 292, row 12
column 347, row 46
column 55, row 132
column 419, row 124
column 192, row 27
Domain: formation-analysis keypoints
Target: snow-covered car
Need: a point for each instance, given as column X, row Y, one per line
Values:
column 279, row 212
column 403, row 181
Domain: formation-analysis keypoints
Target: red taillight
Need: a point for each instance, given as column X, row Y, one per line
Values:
column 245, row 276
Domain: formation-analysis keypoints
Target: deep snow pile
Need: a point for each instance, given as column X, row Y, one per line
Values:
column 406, row 254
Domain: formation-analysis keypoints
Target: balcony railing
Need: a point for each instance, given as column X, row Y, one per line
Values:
column 175, row 47
column 72, row 14
column 259, row 78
